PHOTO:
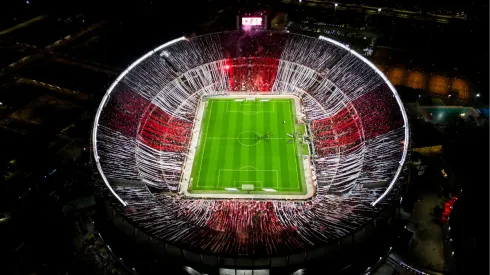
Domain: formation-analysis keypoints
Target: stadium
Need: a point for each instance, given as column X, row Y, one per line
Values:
column 252, row 150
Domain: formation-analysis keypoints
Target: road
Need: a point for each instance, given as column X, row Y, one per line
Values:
column 59, row 43
column 374, row 10
column 23, row 24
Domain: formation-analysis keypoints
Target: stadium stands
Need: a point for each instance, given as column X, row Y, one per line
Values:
column 357, row 126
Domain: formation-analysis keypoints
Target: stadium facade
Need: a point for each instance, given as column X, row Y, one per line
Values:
column 360, row 141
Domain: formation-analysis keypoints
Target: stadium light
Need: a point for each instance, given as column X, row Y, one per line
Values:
column 402, row 110
column 164, row 53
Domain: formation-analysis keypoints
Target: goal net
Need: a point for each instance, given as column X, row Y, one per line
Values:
column 247, row 187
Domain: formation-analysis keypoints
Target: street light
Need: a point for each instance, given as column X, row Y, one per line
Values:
column 377, row 17
column 335, row 10
column 336, row 4
column 475, row 99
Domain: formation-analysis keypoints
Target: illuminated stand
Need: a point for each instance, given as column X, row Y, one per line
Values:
column 251, row 22
column 357, row 120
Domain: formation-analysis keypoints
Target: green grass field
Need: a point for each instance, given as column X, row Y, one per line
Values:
column 247, row 143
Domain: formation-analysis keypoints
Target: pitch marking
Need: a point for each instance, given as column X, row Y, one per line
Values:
column 239, row 170
column 257, row 139
column 277, row 177
column 295, row 146
column 251, row 112
column 204, row 146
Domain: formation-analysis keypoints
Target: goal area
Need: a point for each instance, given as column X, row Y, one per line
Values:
column 247, row 187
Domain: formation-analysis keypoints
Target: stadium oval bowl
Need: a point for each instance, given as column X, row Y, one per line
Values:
column 360, row 141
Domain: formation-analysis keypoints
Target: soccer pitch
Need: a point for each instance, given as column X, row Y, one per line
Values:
column 246, row 146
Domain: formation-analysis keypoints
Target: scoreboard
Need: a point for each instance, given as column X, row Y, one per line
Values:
column 251, row 22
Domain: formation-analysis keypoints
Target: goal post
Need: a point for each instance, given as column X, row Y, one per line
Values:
column 269, row 177
column 247, row 187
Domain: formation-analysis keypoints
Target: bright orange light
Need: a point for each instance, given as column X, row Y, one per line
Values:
column 461, row 87
column 439, row 85
column 416, row 80
column 396, row 76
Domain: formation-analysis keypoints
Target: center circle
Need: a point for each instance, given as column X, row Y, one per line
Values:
column 248, row 138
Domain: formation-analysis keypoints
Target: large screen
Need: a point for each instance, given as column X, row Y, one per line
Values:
column 251, row 21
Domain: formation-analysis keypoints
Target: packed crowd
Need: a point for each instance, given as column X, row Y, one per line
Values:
column 356, row 128
column 340, row 130
column 360, row 144
column 164, row 132
column 376, row 111
column 123, row 111
column 379, row 112
column 246, row 227
column 254, row 74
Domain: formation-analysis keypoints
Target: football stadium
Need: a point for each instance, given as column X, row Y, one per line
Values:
column 252, row 150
